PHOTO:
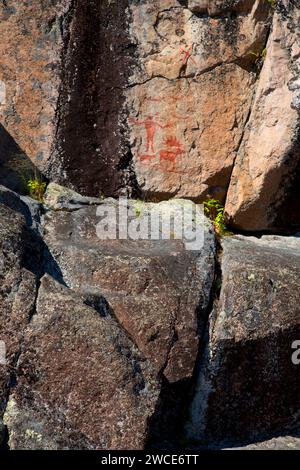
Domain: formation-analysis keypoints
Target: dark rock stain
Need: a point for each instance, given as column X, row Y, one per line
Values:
column 92, row 133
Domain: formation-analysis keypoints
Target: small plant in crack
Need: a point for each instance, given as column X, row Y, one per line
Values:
column 259, row 56
column 214, row 211
column 101, row 196
column 273, row 3
column 35, row 187
column 139, row 208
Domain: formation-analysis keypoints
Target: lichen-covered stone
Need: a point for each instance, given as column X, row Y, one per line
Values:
column 248, row 386
column 61, row 198
column 82, row 384
column 157, row 289
column 17, row 293
column 33, row 36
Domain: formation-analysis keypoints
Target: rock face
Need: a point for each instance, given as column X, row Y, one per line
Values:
column 248, row 385
column 277, row 443
column 103, row 130
column 82, row 384
column 158, row 291
column 30, row 67
column 120, row 320
column 91, row 150
column 17, row 293
column 264, row 187
column 192, row 85
column 116, row 345
column 191, row 104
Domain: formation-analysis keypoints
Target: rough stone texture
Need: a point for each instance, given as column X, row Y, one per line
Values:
column 91, row 152
column 264, row 188
column 60, row 198
column 248, row 387
column 187, row 159
column 86, row 82
column 190, row 95
column 29, row 208
column 33, row 35
column 81, row 382
column 17, row 292
column 158, row 290
column 219, row 7
column 277, row 443
column 157, row 98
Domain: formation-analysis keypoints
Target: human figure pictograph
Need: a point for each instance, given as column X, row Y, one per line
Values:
column 151, row 126
column 187, row 54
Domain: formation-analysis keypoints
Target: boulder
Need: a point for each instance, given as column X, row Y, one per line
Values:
column 61, row 198
column 158, row 289
column 29, row 208
column 82, row 384
column 17, row 293
column 248, row 385
column 276, row 443
column 263, row 191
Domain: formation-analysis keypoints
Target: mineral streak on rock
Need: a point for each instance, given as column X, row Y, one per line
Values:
column 91, row 151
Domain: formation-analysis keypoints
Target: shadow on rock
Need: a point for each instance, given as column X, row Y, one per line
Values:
column 15, row 166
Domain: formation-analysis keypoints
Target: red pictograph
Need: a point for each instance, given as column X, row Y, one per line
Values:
column 166, row 157
column 187, row 54
column 173, row 149
column 172, row 99
column 151, row 126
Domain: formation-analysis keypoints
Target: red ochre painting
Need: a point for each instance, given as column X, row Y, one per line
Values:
column 166, row 157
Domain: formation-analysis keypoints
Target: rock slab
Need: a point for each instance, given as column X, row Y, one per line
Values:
column 82, row 384
column 248, row 385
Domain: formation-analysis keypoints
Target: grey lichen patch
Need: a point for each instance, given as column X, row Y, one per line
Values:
column 33, row 435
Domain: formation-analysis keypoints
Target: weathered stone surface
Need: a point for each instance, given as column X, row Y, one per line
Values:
column 82, row 384
column 33, row 35
column 248, row 387
column 158, row 290
column 190, row 95
column 29, row 208
column 217, row 7
column 263, row 193
column 186, row 158
column 91, row 152
column 60, row 198
column 17, row 293
column 102, row 129
column 277, row 443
